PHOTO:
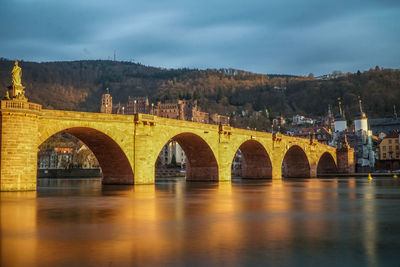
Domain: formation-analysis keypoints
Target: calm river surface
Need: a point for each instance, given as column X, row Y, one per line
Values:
column 294, row 222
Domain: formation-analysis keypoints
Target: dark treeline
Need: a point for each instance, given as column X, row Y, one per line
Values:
column 78, row 85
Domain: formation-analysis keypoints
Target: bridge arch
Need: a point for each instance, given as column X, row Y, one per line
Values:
column 295, row 163
column 255, row 160
column 113, row 161
column 326, row 164
column 201, row 163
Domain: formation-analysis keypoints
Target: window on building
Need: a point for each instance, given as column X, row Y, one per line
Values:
column 396, row 141
column 384, row 155
column 397, row 147
column 390, row 141
column 397, row 155
column 390, row 148
column 383, row 148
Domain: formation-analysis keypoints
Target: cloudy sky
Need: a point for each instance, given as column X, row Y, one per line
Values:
column 264, row 36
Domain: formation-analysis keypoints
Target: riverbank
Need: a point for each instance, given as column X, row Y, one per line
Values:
column 96, row 173
column 361, row 174
column 173, row 172
column 69, row 173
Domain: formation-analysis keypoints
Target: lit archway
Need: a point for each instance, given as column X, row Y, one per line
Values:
column 200, row 162
column 252, row 161
column 326, row 164
column 115, row 165
column 295, row 163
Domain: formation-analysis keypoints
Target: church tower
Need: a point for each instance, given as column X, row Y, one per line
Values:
column 360, row 120
column 106, row 102
column 340, row 121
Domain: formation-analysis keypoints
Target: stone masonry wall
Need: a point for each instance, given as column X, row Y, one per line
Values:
column 18, row 151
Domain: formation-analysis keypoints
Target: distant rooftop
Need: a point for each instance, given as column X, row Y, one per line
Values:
column 385, row 125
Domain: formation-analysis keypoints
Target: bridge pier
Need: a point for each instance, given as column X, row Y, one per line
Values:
column 345, row 160
column 224, row 162
column 277, row 172
column 144, row 161
column 313, row 170
column 19, row 145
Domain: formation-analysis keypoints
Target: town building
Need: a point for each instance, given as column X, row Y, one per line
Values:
column 138, row 105
column 389, row 152
column 119, row 109
column 237, row 164
column 85, row 159
column 199, row 116
column 175, row 109
column 181, row 110
column 106, row 103
column 219, row 119
column 300, row 120
column 389, row 147
column 57, row 158
column 359, row 138
column 329, row 120
column 384, row 125
column 172, row 154
column 279, row 121
column 321, row 134
column 47, row 159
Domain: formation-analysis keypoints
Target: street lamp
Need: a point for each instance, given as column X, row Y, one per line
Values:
column 152, row 108
column 134, row 106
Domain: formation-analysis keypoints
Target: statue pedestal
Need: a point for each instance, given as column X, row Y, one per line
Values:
column 18, row 92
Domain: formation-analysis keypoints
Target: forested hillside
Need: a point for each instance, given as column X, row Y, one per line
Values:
column 78, row 85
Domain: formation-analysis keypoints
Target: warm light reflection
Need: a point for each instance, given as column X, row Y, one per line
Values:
column 352, row 186
column 181, row 223
column 18, row 226
column 320, row 198
column 369, row 222
column 278, row 203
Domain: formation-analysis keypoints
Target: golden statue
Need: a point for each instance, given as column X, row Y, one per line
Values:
column 16, row 74
column 16, row 87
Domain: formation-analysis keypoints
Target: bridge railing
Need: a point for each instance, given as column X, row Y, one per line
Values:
column 14, row 104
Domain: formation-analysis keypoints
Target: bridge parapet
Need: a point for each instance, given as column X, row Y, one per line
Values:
column 184, row 124
column 84, row 116
column 16, row 105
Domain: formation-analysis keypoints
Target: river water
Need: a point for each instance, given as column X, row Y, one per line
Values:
column 294, row 222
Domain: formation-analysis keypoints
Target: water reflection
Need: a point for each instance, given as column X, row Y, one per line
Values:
column 18, row 214
column 298, row 222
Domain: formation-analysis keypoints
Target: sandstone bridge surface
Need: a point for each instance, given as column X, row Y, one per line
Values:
column 127, row 147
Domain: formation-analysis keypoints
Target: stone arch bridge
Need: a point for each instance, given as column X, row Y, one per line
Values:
column 127, row 147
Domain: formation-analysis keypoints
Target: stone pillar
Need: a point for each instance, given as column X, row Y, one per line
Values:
column 224, row 164
column 225, row 152
column 276, row 171
column 277, row 154
column 144, row 155
column 19, row 145
column 313, row 169
column 345, row 160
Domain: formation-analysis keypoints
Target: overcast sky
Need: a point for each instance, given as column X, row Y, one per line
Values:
column 264, row 36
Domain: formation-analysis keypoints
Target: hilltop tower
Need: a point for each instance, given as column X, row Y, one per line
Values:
column 106, row 102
